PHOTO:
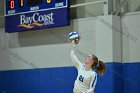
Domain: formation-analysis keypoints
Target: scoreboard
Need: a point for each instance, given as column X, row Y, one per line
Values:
column 26, row 15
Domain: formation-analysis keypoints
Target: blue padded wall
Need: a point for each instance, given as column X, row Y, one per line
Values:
column 119, row 78
column 131, row 80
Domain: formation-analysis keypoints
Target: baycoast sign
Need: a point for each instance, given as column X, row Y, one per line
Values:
column 39, row 15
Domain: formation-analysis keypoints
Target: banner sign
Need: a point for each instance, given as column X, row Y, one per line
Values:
column 34, row 16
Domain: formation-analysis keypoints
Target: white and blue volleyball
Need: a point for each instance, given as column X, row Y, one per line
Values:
column 74, row 37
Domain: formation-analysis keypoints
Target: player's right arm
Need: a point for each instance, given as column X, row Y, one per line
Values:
column 75, row 60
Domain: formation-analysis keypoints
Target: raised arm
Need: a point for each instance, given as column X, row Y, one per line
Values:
column 75, row 60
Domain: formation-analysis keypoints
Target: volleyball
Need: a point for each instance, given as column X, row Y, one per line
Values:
column 74, row 37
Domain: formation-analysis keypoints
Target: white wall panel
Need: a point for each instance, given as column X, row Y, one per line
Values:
column 104, row 37
column 131, row 42
column 50, row 48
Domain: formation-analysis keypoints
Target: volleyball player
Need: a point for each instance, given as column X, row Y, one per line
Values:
column 87, row 72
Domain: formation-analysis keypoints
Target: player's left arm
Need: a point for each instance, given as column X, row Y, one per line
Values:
column 92, row 84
